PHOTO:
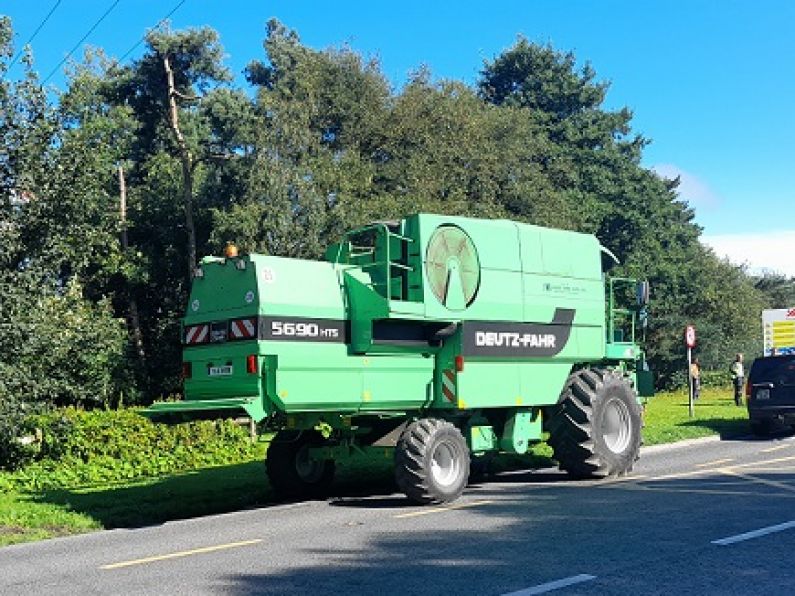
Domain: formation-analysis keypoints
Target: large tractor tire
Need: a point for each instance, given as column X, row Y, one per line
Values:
column 431, row 461
column 292, row 473
column 595, row 429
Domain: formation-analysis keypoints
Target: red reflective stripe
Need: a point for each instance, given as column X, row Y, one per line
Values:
column 243, row 328
column 197, row 334
column 250, row 326
column 448, row 385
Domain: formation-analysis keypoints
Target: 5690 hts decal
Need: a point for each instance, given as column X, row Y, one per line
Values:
column 302, row 329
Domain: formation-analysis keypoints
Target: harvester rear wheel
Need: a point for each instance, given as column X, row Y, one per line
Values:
column 291, row 471
column 595, row 429
column 431, row 461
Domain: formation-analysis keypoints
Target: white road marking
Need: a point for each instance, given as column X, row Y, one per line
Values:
column 755, row 534
column 548, row 587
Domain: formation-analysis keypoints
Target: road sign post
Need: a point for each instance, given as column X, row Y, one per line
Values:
column 690, row 343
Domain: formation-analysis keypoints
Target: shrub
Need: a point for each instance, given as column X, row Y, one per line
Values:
column 81, row 448
column 15, row 430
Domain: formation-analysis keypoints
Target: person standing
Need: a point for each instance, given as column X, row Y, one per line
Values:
column 738, row 378
column 695, row 378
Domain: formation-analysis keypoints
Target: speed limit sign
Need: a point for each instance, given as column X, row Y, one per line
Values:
column 690, row 336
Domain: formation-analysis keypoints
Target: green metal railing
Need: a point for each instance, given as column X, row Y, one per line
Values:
column 356, row 252
column 619, row 312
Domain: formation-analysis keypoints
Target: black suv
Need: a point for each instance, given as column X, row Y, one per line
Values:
column 770, row 393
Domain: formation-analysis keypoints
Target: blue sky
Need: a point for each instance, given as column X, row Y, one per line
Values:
column 710, row 82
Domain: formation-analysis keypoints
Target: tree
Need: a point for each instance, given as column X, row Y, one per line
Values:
column 58, row 344
column 594, row 162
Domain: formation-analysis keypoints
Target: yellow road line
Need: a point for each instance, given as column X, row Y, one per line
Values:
column 777, row 448
column 184, row 553
column 708, row 470
column 717, row 462
column 624, row 479
column 703, row 491
column 756, row 480
column 441, row 509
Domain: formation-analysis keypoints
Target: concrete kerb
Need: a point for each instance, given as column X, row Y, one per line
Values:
column 679, row 444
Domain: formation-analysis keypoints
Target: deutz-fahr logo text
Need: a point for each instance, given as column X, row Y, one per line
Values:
column 517, row 340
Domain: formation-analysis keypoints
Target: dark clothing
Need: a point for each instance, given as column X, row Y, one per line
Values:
column 696, row 382
column 738, row 390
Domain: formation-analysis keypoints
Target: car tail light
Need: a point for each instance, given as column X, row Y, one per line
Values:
column 187, row 370
column 748, row 388
column 459, row 363
column 251, row 364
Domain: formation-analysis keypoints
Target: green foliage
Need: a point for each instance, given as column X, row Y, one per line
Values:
column 324, row 145
column 82, row 448
column 779, row 291
column 16, row 432
column 59, row 348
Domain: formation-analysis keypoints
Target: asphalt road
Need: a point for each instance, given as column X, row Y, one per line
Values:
column 709, row 517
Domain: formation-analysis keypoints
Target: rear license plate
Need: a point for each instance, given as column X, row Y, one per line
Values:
column 220, row 371
column 763, row 394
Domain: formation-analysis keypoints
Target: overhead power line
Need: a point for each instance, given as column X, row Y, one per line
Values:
column 82, row 39
column 35, row 33
column 160, row 22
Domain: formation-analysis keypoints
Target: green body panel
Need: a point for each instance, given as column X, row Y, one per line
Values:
column 367, row 332
column 482, row 438
column 522, row 427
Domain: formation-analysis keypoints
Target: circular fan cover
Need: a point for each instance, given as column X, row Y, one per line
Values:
column 452, row 266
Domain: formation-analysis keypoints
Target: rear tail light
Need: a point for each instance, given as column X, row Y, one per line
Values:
column 459, row 363
column 187, row 370
column 251, row 364
column 748, row 388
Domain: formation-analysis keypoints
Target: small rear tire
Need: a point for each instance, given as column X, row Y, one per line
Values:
column 291, row 470
column 431, row 461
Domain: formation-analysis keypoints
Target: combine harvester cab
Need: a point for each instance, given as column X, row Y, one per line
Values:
column 445, row 338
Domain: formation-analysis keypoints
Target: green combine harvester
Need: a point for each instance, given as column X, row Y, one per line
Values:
column 445, row 339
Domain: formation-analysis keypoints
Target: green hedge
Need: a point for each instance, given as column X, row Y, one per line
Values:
column 82, row 448
column 709, row 378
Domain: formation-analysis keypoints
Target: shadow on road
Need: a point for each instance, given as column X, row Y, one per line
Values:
column 632, row 535
column 736, row 429
column 210, row 491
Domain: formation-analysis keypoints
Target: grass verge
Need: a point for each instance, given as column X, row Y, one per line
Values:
column 27, row 516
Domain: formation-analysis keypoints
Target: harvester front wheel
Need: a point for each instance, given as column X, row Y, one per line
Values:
column 595, row 429
column 431, row 461
column 291, row 470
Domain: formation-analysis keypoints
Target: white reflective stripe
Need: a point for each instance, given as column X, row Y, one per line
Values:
column 190, row 336
column 250, row 327
column 236, row 330
column 196, row 334
column 243, row 328
column 448, row 384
